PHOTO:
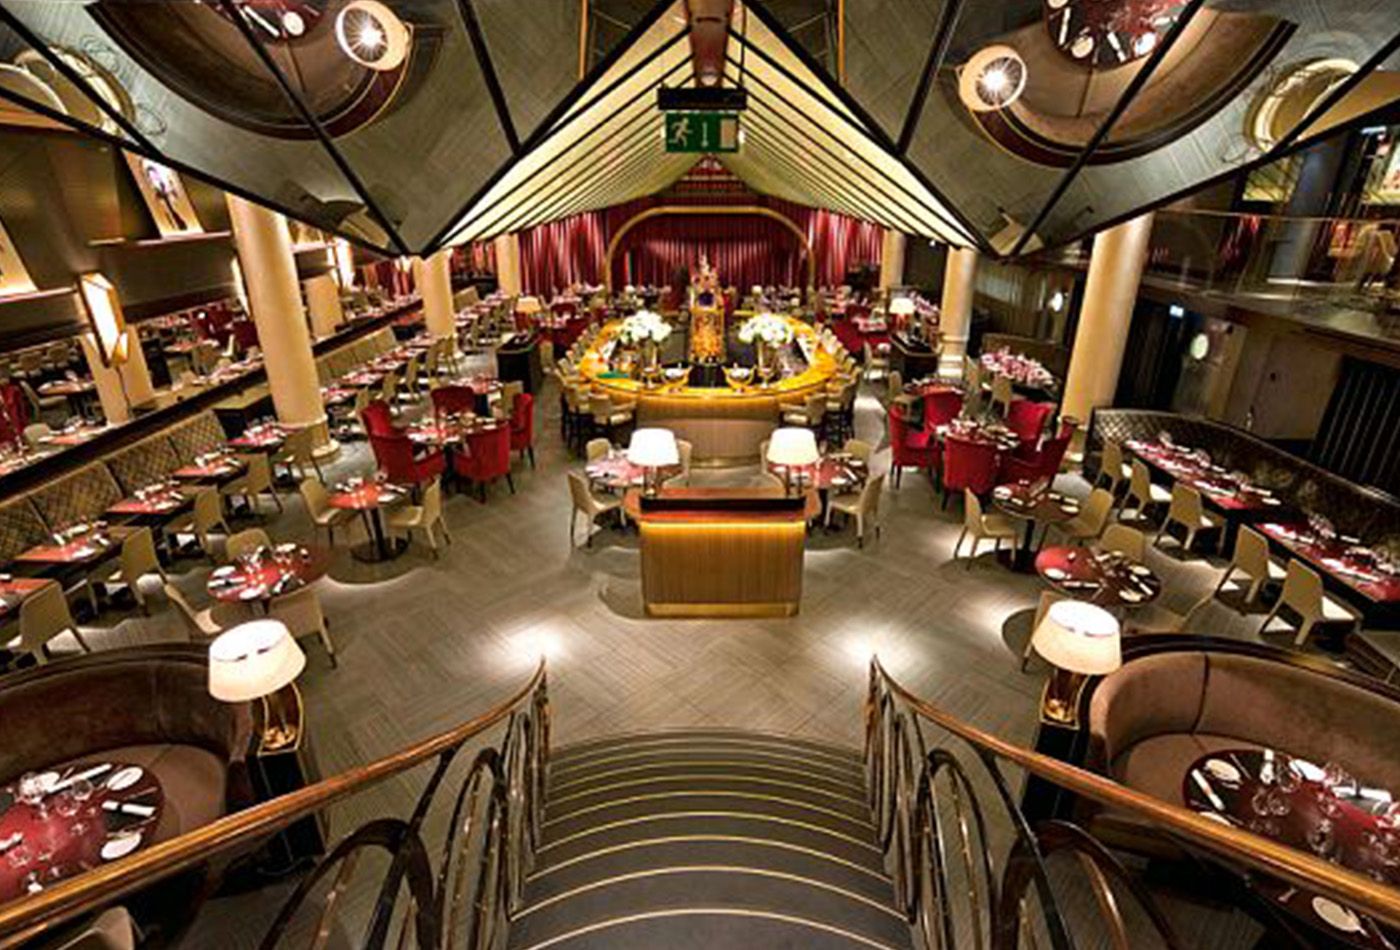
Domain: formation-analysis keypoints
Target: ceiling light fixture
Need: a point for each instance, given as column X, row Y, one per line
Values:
column 372, row 35
column 992, row 79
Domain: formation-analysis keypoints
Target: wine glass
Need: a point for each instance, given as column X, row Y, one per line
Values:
column 31, row 791
column 1322, row 837
column 81, row 790
column 18, row 855
column 1286, row 775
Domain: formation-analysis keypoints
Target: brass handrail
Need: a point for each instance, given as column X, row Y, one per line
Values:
column 1297, row 867
column 22, row 920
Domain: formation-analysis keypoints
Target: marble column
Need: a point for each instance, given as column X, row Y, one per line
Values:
column 274, row 299
column 892, row 250
column 1115, row 271
column 955, row 311
column 434, row 278
column 508, row 264
column 323, row 303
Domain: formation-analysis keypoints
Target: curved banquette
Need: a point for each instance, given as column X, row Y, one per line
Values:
column 1361, row 510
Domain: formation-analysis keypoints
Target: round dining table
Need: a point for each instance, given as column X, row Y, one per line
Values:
column 369, row 499
column 1032, row 505
column 269, row 573
column 1106, row 578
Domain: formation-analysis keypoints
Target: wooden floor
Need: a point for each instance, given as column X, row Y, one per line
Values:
column 425, row 644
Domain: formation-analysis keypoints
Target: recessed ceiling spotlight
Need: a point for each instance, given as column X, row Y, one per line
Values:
column 372, row 35
column 992, row 79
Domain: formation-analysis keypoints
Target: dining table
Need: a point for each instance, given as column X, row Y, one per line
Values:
column 217, row 466
column 1315, row 808
column 334, row 396
column 263, row 437
column 1108, row 579
column 1366, row 579
column 361, row 378
column 69, row 819
column 156, row 500
column 79, row 545
column 74, row 434
column 838, row 472
column 369, row 498
column 1032, row 504
column 269, row 572
column 452, row 431
column 984, row 432
column 1232, row 493
column 614, row 472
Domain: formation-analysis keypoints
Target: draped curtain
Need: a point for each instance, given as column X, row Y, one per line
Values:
column 745, row 249
column 1351, row 441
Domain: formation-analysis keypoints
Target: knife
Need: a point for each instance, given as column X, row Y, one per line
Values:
column 1209, row 792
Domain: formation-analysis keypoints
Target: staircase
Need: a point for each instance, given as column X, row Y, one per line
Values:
column 707, row 839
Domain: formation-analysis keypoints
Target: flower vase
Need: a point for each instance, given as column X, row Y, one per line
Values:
column 764, row 370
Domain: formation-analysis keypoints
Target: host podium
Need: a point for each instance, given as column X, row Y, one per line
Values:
column 721, row 552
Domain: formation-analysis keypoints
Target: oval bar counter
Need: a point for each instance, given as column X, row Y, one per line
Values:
column 724, row 423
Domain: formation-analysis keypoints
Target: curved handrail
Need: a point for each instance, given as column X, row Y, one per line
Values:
column 1297, row 867
column 22, row 920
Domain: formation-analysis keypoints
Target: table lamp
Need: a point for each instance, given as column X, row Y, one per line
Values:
column 652, row 450
column 901, row 308
column 792, row 448
column 257, row 660
column 1079, row 640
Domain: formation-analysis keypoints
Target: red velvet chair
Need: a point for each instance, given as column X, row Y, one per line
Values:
column 968, row 463
column 487, row 458
column 453, row 400
column 522, row 425
column 245, row 334
column 1027, row 419
column 941, row 407
column 1034, row 465
column 378, row 419
column 400, row 465
column 910, row 448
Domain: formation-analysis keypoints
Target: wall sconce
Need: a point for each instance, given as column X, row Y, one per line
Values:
column 343, row 257
column 105, row 317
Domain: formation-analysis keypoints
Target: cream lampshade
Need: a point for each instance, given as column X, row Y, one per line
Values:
column 1079, row 640
column 253, row 660
column 528, row 305
column 793, row 447
column 902, row 306
column 653, row 449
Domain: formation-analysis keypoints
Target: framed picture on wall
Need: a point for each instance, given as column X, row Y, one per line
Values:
column 165, row 197
column 14, row 277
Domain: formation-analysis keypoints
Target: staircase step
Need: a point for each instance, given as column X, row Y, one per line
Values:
column 574, row 771
column 697, row 928
column 626, row 788
column 720, row 762
column 846, row 760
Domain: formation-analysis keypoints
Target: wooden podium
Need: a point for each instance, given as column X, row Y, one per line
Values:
column 721, row 552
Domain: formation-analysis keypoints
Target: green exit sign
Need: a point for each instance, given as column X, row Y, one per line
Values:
column 702, row 132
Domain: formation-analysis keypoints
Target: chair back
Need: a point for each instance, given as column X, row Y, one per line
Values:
column 578, row 491
column 389, row 389
column 522, row 421
column 378, row 418
column 315, row 495
column 453, row 400
column 300, row 610
column 1096, row 510
column 969, row 464
column 894, row 385
column 686, row 450
column 259, row 477
column 941, row 407
column 1127, row 541
column 1027, row 418
column 972, row 511
column 816, row 408
column 1140, row 482
column 1111, row 462
column 601, row 406
column 1251, row 553
column 1052, row 455
column 1002, row 393
column 188, row 615
column 43, row 616
column 394, row 455
column 870, row 496
column 1186, row 505
column 432, row 503
column 489, row 452
column 208, row 514
column 859, row 449
column 138, row 556
column 410, row 375
column 596, row 449
column 246, row 542
column 1302, row 589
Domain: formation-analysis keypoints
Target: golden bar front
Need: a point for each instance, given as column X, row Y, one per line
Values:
column 721, row 552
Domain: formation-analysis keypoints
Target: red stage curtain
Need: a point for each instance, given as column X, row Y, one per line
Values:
column 555, row 255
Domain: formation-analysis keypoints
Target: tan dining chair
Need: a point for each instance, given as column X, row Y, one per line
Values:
column 412, row 392
column 1091, row 520
column 302, row 613
column 138, row 559
column 811, row 414
column 875, row 366
column 319, row 510
column 389, row 391
column 685, row 450
column 587, row 504
column 763, row 454
column 254, row 483
column 609, row 416
column 363, row 397
column 207, row 517
column 298, row 453
column 1121, row 539
column 113, row 929
column 859, row 450
column 1303, row 595
column 246, row 542
column 1112, row 467
column 44, row 616
column 1002, row 394
column 1252, row 559
column 597, row 449
column 894, row 386
column 1142, row 493
column 978, row 526
column 1048, row 598
column 200, row 623
column 509, row 390
column 972, row 374
column 863, row 506
column 433, row 358
column 424, row 517
column 1187, row 511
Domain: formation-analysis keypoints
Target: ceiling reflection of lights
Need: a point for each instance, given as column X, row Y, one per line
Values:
column 372, row 35
column 992, row 79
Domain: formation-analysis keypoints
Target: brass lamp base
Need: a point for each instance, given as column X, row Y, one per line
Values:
column 1059, row 703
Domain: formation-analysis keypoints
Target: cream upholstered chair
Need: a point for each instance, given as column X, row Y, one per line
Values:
column 246, row 542
column 1002, row 394
column 319, row 510
column 978, row 526
column 510, row 389
column 1252, row 559
column 425, row 517
column 138, row 558
column 863, row 505
column 43, row 616
column 1048, row 598
column 1188, row 511
column 200, row 623
column 597, row 449
column 389, row 391
column 607, row 415
column 894, row 385
column 411, row 390
column 875, row 365
column 587, row 504
column 1091, row 520
column 1130, row 542
column 208, row 515
column 113, row 929
column 686, row 450
column 1112, row 467
column 301, row 612
column 1302, row 594
column 253, row 483
column 1142, row 493
column 810, row 414
column 859, row 449
column 298, row 453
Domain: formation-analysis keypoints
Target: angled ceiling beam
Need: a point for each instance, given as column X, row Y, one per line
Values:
column 467, row 10
column 937, row 50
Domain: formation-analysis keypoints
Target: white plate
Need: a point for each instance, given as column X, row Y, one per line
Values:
column 1141, row 570
column 1270, row 500
column 1222, row 770
column 1070, row 509
column 1310, row 772
column 224, row 571
column 1055, row 574
column 1342, row 918
column 1131, row 596
column 1002, row 492
column 124, row 778
column 119, row 846
column 252, row 593
column 48, row 780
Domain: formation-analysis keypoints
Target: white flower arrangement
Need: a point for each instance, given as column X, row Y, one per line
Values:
column 643, row 326
column 767, row 328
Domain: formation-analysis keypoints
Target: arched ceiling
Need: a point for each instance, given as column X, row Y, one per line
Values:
column 500, row 115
